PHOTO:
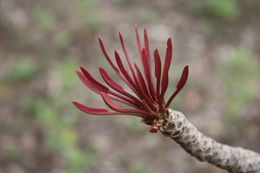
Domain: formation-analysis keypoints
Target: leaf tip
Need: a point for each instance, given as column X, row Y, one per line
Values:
column 169, row 42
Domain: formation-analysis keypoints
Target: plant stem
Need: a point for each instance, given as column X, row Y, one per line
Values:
column 232, row 159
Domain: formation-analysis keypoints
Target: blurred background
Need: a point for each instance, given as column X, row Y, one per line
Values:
column 42, row 43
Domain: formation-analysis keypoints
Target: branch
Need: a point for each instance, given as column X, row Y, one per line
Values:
column 232, row 159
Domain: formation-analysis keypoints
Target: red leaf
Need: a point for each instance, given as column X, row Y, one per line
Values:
column 106, row 54
column 158, row 64
column 180, row 84
column 90, row 85
column 126, row 74
column 184, row 77
column 127, row 58
column 125, row 52
column 147, row 71
column 112, row 64
column 158, row 69
column 145, row 94
column 94, row 82
column 147, row 49
column 145, row 64
column 118, row 108
column 110, row 81
column 113, row 84
column 93, row 110
column 96, row 86
column 139, row 46
column 141, row 80
column 167, row 63
column 125, row 101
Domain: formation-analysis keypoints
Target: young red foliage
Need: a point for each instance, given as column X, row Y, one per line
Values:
column 147, row 101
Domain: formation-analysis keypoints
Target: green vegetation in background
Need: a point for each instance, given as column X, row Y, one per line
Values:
column 134, row 125
column 127, row 2
column 84, row 6
column 54, row 112
column 62, row 39
column 83, row 13
column 67, row 74
column 86, row 9
column 238, row 74
column 44, row 16
column 62, row 137
column 140, row 168
column 21, row 70
column 55, row 115
column 224, row 9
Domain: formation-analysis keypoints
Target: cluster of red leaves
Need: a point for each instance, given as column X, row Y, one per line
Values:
column 148, row 101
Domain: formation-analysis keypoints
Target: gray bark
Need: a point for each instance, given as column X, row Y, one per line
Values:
column 232, row 159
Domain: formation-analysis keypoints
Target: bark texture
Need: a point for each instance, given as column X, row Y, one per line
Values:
column 232, row 159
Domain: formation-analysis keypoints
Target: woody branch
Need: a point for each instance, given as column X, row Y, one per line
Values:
column 233, row 159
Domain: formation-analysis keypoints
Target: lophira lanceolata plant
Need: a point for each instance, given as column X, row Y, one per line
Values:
column 149, row 83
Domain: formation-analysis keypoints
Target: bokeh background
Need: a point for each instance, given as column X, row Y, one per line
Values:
column 42, row 43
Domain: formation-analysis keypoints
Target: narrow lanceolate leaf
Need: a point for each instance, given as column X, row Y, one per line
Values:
column 139, row 46
column 180, row 84
column 113, row 84
column 112, row 64
column 125, row 52
column 91, row 85
column 127, row 57
column 141, row 81
column 96, row 86
column 94, row 110
column 93, row 81
column 129, row 102
column 158, row 69
column 106, row 54
column 166, row 66
column 147, row 99
column 184, row 77
column 118, row 108
column 147, row 71
column 147, row 48
column 126, row 74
